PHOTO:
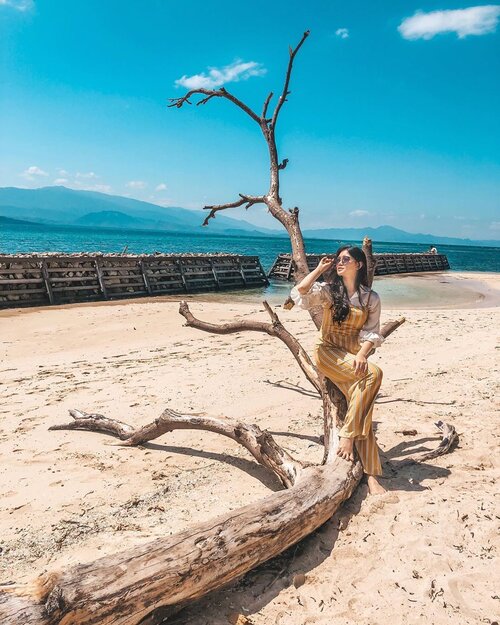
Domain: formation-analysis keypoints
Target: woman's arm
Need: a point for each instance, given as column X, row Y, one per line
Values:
column 306, row 283
column 309, row 293
column 360, row 360
column 369, row 335
column 370, row 332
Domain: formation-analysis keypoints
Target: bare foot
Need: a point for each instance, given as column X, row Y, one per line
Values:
column 345, row 448
column 374, row 486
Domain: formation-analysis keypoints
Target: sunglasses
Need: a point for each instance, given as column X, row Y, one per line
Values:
column 343, row 260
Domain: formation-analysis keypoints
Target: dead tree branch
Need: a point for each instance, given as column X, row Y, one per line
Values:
column 123, row 588
column 266, row 106
column 285, row 91
column 275, row 328
column 449, row 440
column 259, row 443
column 213, row 93
column 249, row 200
column 272, row 198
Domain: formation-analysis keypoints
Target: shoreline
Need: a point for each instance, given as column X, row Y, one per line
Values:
column 469, row 290
column 481, row 288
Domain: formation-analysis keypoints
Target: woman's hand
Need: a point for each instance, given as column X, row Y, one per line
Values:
column 324, row 264
column 360, row 364
column 306, row 283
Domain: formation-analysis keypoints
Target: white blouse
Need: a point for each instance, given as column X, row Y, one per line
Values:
column 319, row 295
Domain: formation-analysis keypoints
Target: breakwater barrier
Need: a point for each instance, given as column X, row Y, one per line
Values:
column 386, row 264
column 36, row 280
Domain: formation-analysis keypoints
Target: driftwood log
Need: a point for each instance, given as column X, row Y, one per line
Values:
column 153, row 580
column 148, row 583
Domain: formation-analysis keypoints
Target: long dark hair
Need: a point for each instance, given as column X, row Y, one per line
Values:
column 338, row 290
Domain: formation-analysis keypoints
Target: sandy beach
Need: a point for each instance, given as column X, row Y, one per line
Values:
column 424, row 552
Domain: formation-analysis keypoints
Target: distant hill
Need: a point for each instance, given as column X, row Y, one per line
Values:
column 62, row 206
column 19, row 222
column 389, row 234
column 113, row 219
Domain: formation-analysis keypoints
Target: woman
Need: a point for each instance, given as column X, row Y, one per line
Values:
column 349, row 330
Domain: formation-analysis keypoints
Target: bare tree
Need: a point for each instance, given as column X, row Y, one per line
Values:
column 267, row 124
column 147, row 583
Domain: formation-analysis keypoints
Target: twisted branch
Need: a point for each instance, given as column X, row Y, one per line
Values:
column 213, row 93
column 259, row 443
column 266, row 105
column 449, row 440
column 285, row 92
column 275, row 328
column 249, row 200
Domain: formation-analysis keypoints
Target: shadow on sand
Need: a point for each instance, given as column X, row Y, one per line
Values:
column 263, row 584
column 248, row 466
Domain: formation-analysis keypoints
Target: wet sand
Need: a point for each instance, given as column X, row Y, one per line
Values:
column 444, row 290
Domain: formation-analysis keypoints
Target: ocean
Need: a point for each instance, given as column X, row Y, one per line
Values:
column 16, row 239
column 397, row 292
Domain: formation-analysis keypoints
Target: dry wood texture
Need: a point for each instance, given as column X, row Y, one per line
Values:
column 124, row 588
column 61, row 278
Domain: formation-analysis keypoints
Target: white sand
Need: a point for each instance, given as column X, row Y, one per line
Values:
column 423, row 553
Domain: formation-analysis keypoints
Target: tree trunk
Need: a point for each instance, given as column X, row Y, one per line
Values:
column 124, row 588
column 164, row 574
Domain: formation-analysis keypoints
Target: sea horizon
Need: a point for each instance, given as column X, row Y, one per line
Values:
column 46, row 238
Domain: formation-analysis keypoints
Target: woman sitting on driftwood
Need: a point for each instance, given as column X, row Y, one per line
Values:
column 349, row 330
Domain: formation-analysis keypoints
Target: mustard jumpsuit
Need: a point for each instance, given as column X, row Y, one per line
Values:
column 334, row 354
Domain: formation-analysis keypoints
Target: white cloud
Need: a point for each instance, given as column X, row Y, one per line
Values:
column 343, row 33
column 136, row 184
column 161, row 187
column 87, row 176
column 478, row 20
column 102, row 188
column 19, row 5
column 238, row 70
column 495, row 226
column 32, row 172
column 358, row 213
column 81, row 181
column 89, row 182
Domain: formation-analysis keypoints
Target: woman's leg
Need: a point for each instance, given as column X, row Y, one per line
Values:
column 368, row 454
column 360, row 393
column 357, row 426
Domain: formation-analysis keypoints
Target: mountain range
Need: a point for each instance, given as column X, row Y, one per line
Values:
column 62, row 206
column 389, row 234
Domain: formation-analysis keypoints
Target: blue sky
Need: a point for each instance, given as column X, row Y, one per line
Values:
column 393, row 117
